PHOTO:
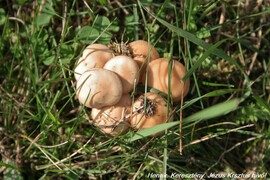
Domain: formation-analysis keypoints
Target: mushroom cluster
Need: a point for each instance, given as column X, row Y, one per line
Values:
column 106, row 76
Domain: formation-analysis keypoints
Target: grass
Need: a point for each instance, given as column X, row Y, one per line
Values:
column 45, row 133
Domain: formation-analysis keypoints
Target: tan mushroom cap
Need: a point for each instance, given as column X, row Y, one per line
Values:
column 155, row 112
column 113, row 119
column 139, row 51
column 97, row 88
column 158, row 78
column 127, row 69
column 93, row 56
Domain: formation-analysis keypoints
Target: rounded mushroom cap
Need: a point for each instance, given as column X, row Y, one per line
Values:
column 139, row 51
column 127, row 69
column 153, row 114
column 113, row 119
column 97, row 88
column 93, row 56
column 158, row 74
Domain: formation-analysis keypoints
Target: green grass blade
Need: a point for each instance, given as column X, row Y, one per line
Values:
column 213, row 111
column 262, row 103
column 217, row 84
column 215, row 93
column 152, row 130
column 209, row 51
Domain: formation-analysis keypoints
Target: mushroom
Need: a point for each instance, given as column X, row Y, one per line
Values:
column 127, row 69
column 97, row 88
column 140, row 50
column 150, row 111
column 113, row 119
column 93, row 56
column 158, row 78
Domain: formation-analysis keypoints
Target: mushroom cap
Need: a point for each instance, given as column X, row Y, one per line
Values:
column 127, row 69
column 97, row 88
column 139, row 52
column 113, row 119
column 155, row 111
column 158, row 78
column 93, row 56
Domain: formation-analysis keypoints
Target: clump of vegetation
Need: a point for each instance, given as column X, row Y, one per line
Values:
column 220, row 126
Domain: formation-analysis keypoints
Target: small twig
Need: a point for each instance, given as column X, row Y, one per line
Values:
column 38, row 146
column 54, row 146
column 87, row 5
column 64, row 20
column 181, row 119
column 78, row 18
column 121, row 6
column 17, row 19
column 221, row 20
column 256, row 53
column 65, row 159
column 207, row 137
column 33, row 142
